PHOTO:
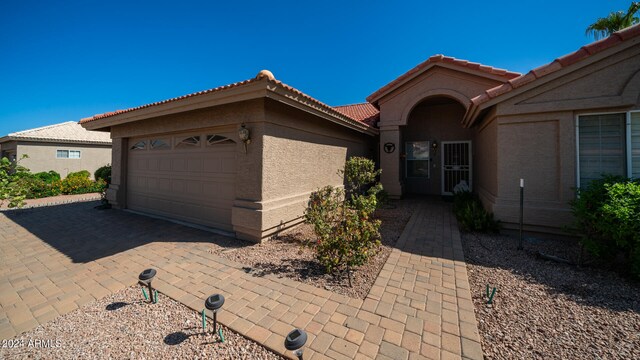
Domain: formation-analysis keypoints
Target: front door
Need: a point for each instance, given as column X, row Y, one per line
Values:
column 456, row 165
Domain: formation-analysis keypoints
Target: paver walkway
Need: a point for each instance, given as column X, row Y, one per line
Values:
column 56, row 259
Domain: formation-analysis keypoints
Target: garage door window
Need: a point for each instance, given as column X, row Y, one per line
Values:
column 188, row 142
column 140, row 145
column 159, row 144
column 218, row 140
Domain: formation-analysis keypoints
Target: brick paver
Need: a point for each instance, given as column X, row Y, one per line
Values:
column 54, row 260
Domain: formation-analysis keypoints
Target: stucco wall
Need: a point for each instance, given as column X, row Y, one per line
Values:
column 402, row 104
column 485, row 161
column 429, row 122
column 291, row 154
column 536, row 136
column 301, row 153
column 42, row 157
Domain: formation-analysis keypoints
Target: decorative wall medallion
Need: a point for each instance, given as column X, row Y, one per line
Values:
column 389, row 147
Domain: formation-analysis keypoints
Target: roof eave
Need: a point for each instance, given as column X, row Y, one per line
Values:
column 281, row 94
column 245, row 92
column 377, row 95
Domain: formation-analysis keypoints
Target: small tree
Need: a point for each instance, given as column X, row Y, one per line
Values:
column 347, row 233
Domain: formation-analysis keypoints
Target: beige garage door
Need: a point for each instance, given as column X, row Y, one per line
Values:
column 188, row 177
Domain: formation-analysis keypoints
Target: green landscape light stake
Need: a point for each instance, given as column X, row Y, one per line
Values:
column 214, row 303
column 204, row 321
column 490, row 296
column 145, row 278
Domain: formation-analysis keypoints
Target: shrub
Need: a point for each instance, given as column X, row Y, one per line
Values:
column 360, row 174
column 343, row 219
column 607, row 216
column 47, row 176
column 347, row 235
column 471, row 215
column 12, row 184
column 79, row 174
column 80, row 185
column 103, row 173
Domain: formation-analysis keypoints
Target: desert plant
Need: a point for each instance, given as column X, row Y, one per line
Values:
column 348, row 235
column 360, row 175
column 607, row 218
column 471, row 215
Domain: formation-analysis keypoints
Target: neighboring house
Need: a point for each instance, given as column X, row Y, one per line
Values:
column 64, row 148
column 445, row 123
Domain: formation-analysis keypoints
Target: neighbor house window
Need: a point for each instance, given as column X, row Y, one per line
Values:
column 608, row 144
column 68, row 154
column 417, row 160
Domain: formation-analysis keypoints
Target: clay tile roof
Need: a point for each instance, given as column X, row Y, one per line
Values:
column 69, row 131
column 117, row 112
column 439, row 58
column 364, row 112
column 559, row 63
column 262, row 75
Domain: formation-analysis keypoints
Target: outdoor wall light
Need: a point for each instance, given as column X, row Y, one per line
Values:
column 145, row 278
column 294, row 341
column 245, row 136
column 213, row 303
column 434, row 146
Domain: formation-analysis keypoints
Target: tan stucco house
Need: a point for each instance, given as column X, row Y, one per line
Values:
column 65, row 147
column 244, row 157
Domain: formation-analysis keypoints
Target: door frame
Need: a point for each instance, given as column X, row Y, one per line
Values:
column 442, row 164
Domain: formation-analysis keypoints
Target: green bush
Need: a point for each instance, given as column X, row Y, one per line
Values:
column 81, row 185
column 13, row 186
column 47, row 176
column 471, row 215
column 103, row 173
column 360, row 175
column 607, row 216
column 347, row 233
column 79, row 174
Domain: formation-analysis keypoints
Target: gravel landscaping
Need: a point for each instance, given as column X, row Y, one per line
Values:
column 549, row 310
column 124, row 326
column 289, row 256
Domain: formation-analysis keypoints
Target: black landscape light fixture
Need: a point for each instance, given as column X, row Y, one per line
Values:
column 145, row 277
column 294, row 341
column 214, row 303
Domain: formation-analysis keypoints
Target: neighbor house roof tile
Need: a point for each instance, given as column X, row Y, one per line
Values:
column 69, row 131
column 442, row 59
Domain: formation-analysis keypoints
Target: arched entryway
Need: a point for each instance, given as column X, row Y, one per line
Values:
column 436, row 149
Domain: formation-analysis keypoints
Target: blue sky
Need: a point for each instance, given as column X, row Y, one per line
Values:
column 66, row 60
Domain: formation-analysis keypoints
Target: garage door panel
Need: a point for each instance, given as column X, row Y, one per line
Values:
column 195, row 184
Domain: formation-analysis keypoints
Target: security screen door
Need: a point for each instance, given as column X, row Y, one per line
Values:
column 456, row 165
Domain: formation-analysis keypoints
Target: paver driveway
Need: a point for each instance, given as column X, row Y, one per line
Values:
column 55, row 259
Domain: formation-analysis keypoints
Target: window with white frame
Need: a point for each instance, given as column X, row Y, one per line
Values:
column 68, row 154
column 608, row 144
